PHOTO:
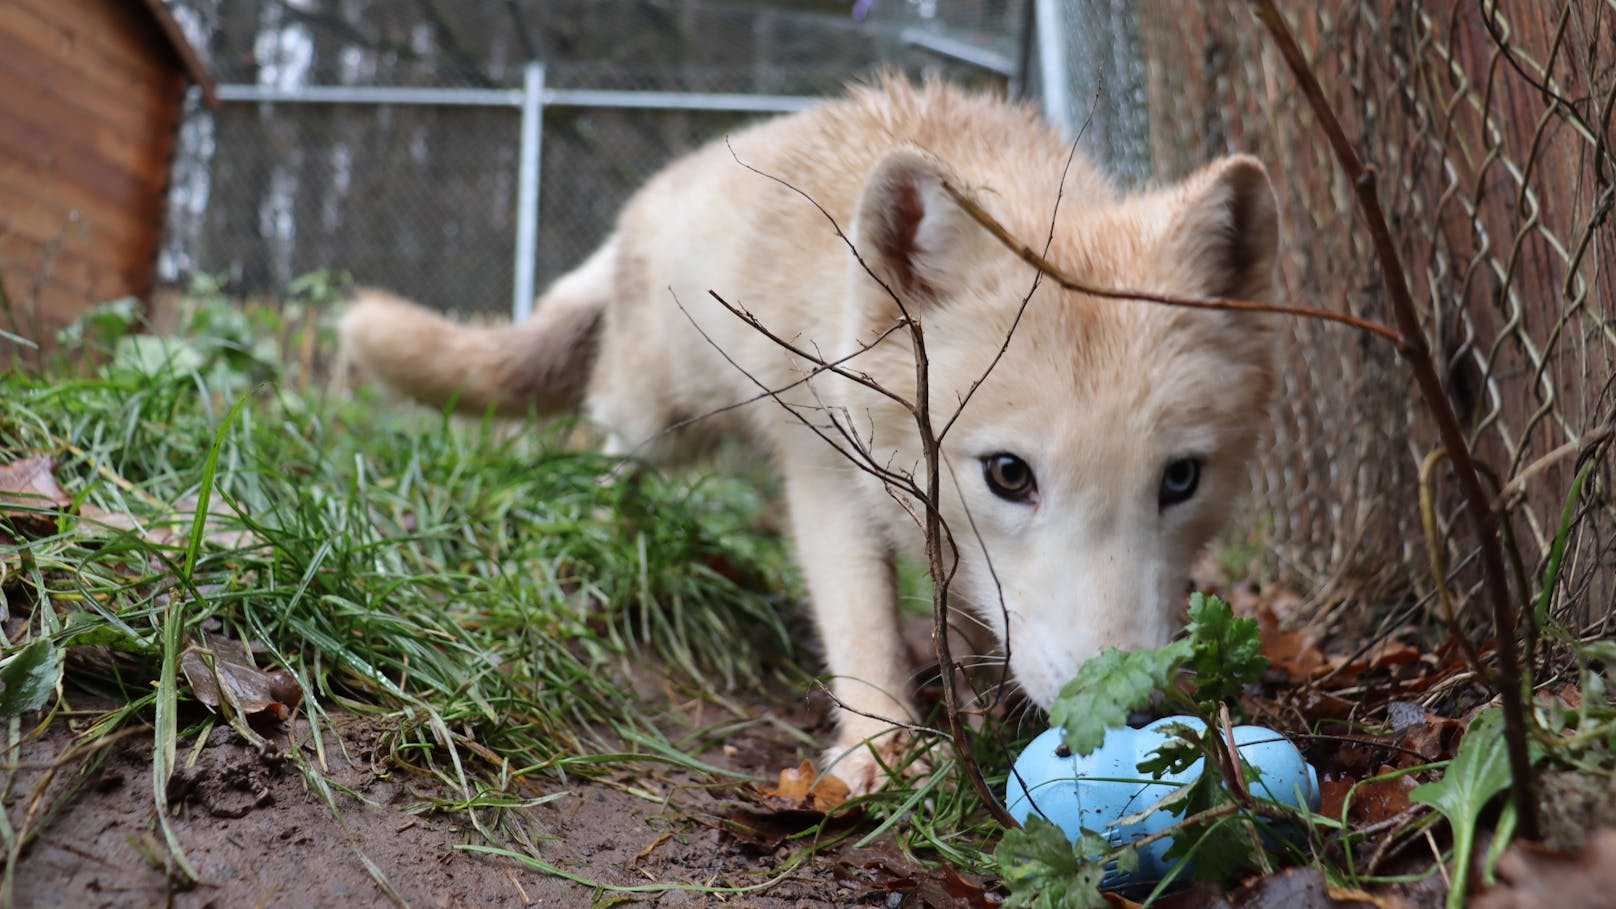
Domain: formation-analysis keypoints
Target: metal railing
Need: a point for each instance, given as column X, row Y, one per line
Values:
column 531, row 100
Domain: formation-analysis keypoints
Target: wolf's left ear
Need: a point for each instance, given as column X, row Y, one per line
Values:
column 1227, row 229
column 909, row 230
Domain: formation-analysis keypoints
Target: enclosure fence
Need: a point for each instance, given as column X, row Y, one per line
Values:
column 1488, row 127
column 531, row 102
column 446, row 167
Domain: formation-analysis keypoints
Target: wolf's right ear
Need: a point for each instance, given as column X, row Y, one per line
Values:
column 910, row 232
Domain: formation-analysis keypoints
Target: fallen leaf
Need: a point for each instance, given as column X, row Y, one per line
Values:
column 1415, row 729
column 938, row 887
column 1531, row 877
column 222, row 671
column 1295, row 653
column 768, row 830
column 1306, row 888
column 1376, row 800
column 1292, row 652
column 802, row 788
column 29, row 487
column 803, row 798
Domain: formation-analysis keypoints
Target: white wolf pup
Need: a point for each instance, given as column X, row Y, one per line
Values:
column 1082, row 477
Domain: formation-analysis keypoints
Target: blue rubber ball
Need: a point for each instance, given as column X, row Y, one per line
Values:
column 1097, row 791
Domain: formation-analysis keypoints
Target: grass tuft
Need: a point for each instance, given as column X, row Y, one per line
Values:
column 481, row 590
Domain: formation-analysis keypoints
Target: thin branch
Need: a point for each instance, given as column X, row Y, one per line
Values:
column 1516, row 487
column 1068, row 282
column 935, row 530
column 867, row 465
column 815, row 357
column 1483, row 520
column 764, row 395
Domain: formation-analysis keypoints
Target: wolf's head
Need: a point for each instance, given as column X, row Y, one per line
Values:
column 1100, row 452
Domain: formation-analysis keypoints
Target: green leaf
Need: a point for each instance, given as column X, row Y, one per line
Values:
column 1176, row 755
column 102, row 324
column 28, row 677
column 154, row 357
column 1227, row 650
column 1478, row 773
column 1043, row 870
column 1110, row 685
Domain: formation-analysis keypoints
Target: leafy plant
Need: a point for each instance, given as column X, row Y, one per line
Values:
column 1109, row 687
column 1478, row 773
column 1045, row 871
column 1225, row 653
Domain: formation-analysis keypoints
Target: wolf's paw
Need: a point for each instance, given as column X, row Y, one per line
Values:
column 867, row 765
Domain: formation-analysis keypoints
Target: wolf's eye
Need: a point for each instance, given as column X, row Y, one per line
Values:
column 1178, row 481
column 1009, row 477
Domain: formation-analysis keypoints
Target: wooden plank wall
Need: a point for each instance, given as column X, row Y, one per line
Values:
column 90, row 101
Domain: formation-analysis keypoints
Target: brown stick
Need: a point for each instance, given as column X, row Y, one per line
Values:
column 1068, row 282
column 1482, row 518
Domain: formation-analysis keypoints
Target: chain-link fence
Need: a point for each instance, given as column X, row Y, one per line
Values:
column 1488, row 125
column 300, row 170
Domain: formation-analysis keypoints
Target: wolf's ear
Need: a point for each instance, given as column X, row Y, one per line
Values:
column 1226, row 231
column 908, row 229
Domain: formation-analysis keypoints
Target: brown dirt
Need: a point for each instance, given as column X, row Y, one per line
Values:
column 260, row 836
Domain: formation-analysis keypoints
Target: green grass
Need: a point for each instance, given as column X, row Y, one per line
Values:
column 481, row 589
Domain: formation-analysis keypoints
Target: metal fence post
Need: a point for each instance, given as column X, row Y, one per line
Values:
column 527, row 193
column 1052, row 64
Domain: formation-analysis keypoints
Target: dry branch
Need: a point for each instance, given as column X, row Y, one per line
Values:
column 1479, row 511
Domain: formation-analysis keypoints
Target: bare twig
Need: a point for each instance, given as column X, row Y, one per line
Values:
column 936, row 533
column 1069, row 282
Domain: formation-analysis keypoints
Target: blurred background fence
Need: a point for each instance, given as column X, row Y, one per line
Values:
column 385, row 140
column 1488, row 123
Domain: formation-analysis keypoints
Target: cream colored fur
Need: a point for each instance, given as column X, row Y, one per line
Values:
column 1096, row 396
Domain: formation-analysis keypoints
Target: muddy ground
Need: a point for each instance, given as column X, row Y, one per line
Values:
column 259, row 836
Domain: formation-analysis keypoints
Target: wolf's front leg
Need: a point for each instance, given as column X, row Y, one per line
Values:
column 852, row 584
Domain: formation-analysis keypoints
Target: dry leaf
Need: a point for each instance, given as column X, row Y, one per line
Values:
column 1430, row 737
column 802, row 788
column 802, row 799
column 31, row 484
column 1372, row 802
column 1531, row 877
column 878, row 883
column 223, row 671
column 1306, row 888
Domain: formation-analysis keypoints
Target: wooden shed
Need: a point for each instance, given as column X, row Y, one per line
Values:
column 91, row 98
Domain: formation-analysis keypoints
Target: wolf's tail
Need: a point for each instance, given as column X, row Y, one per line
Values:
column 543, row 364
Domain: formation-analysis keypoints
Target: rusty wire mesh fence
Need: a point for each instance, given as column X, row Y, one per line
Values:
column 1489, row 128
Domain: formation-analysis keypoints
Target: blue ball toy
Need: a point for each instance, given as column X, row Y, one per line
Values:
column 1097, row 791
